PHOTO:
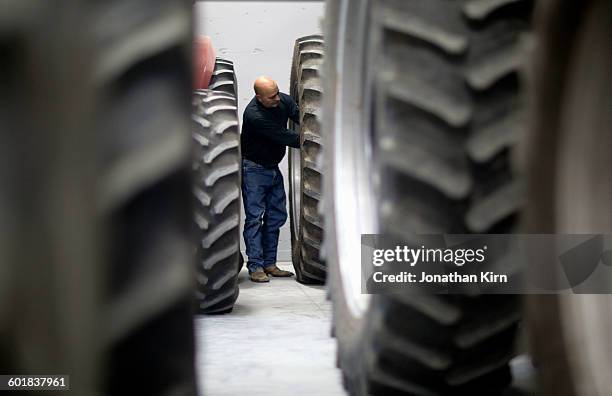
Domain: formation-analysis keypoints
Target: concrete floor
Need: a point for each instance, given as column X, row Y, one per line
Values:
column 277, row 342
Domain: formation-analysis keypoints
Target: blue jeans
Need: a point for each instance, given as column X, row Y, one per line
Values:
column 263, row 195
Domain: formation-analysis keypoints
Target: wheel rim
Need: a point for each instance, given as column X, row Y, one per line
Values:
column 295, row 164
column 584, row 179
column 351, row 156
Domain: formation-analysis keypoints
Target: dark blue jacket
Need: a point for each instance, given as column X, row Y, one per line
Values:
column 264, row 131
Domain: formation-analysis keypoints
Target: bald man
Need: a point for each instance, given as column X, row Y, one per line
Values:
column 263, row 143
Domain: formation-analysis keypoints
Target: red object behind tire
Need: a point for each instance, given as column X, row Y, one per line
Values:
column 204, row 62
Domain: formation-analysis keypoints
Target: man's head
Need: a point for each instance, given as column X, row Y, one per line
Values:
column 266, row 92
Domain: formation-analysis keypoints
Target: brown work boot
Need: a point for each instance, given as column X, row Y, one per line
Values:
column 259, row 277
column 275, row 271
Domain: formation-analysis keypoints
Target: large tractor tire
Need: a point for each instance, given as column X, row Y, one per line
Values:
column 223, row 78
column 569, row 173
column 97, row 175
column 304, row 169
column 217, row 199
column 422, row 111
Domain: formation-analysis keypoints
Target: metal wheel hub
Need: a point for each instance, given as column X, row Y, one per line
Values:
column 296, row 191
column 354, row 198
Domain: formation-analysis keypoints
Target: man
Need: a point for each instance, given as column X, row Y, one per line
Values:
column 263, row 141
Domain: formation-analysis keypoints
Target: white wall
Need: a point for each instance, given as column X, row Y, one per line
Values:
column 258, row 36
